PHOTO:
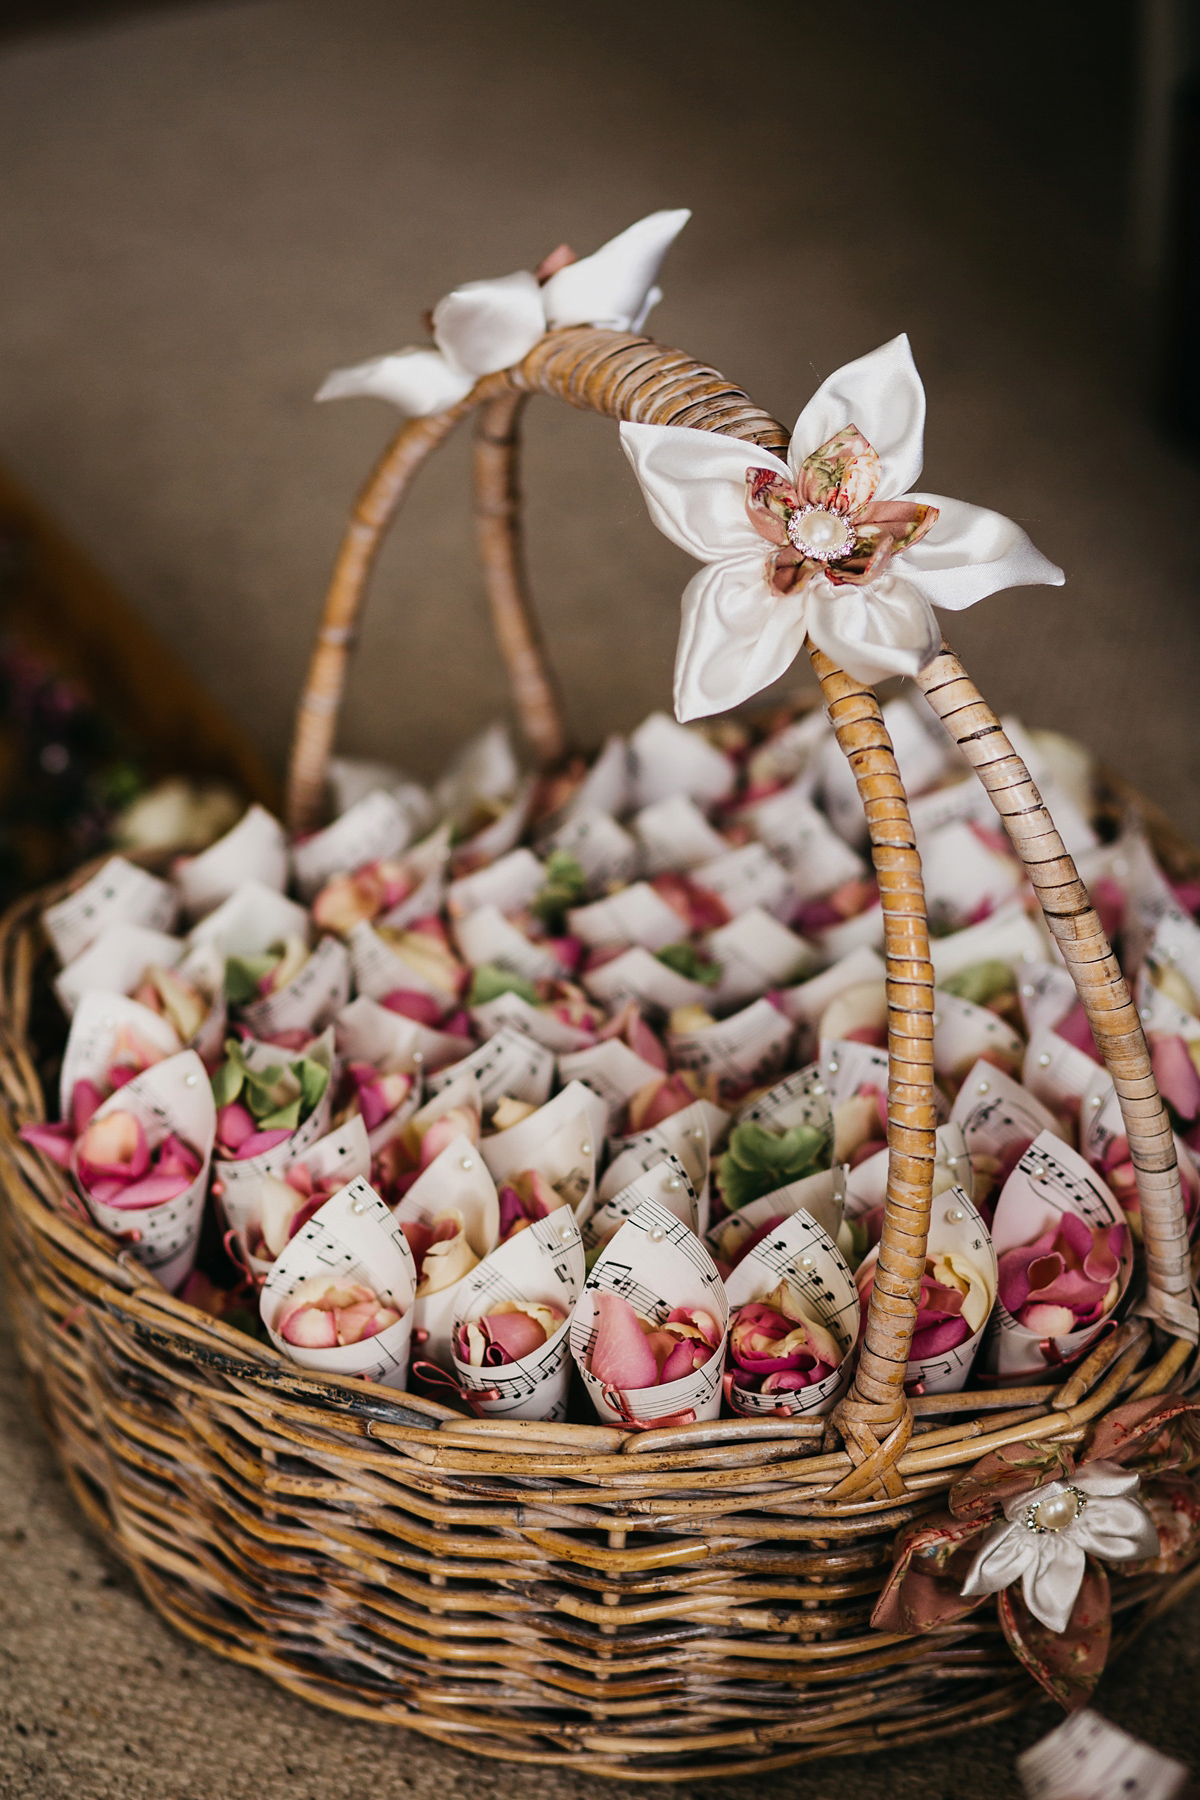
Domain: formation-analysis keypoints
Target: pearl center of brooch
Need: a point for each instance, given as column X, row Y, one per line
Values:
column 1056, row 1511
column 824, row 536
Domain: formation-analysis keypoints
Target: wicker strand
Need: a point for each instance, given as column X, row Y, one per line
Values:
column 1098, row 981
column 875, row 1419
column 321, row 697
column 498, row 528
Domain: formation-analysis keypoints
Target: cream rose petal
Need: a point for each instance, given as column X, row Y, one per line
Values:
column 882, row 394
column 695, row 488
column 419, row 382
column 970, row 552
column 614, row 288
column 886, row 628
column 736, row 637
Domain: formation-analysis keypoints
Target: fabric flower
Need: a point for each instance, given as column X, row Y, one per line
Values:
column 832, row 544
column 1043, row 1540
column 488, row 325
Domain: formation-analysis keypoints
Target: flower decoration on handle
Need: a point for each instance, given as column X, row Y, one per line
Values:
column 484, row 326
column 832, row 545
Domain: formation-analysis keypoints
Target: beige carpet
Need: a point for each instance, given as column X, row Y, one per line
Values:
column 205, row 209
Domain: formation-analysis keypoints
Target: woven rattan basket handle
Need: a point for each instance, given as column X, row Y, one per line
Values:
column 632, row 378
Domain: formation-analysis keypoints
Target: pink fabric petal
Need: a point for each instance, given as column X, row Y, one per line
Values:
column 621, row 1356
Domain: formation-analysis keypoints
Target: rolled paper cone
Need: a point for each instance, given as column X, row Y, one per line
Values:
column 313, row 997
column 375, row 828
column 604, row 789
column 743, row 1051
column 514, row 1012
column 427, row 862
column 963, row 1032
column 1050, row 1179
column 204, row 967
column 802, row 1098
column 998, row 1115
column 962, row 874
column 1009, row 935
column 485, row 936
column 118, row 894
column 674, row 834
column 666, row 1182
column 172, row 1096
column 355, row 1239
column 748, row 876
column 800, row 1253
column 367, row 1032
column 666, row 758
column 343, row 1153
column 610, row 1069
column 115, row 962
column 816, row 859
column 508, row 1063
column 252, row 919
column 604, row 851
column 544, row 1264
column 255, row 850
column 1047, row 995
column 562, row 1140
column 638, row 975
column 955, row 1229
column 690, row 1135
column 1056, row 1072
column 634, row 915
column 755, row 952
column 502, row 835
column 823, row 1197
column 508, row 885
column 863, row 931
column 457, row 1180
column 233, row 1171
column 655, row 1263
column 96, row 1026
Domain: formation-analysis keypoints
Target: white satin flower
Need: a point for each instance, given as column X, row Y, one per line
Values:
column 488, row 325
column 852, row 558
column 1045, row 1534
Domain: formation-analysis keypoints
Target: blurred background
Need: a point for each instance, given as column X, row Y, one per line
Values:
column 207, row 207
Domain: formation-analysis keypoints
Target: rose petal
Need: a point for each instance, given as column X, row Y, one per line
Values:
column 621, row 1357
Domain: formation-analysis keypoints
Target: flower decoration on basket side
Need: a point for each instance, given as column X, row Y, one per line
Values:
column 833, row 544
column 484, row 326
column 1037, row 1530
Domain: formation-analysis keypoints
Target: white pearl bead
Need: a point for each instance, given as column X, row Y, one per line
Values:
column 189, row 1081
column 1044, row 1060
column 673, row 1184
column 982, row 1087
column 418, row 1056
column 357, row 1206
column 467, row 1163
column 585, row 1149
column 657, row 1235
column 1027, row 991
column 954, row 1214
column 833, row 1066
column 817, row 1088
column 808, row 1262
column 1055, row 1512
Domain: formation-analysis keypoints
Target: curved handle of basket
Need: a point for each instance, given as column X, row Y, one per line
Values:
column 1098, row 980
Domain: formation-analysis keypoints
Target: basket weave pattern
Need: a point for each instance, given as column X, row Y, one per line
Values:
column 659, row 1605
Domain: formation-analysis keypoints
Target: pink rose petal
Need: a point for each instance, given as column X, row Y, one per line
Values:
column 621, row 1357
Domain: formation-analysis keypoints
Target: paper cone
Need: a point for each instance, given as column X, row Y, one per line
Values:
column 231, row 1172
column 252, row 919
column 344, row 1152
column 955, row 1227
column 545, row 1264
column 508, row 1063
column 664, row 1180
column 118, row 894
column 607, row 854
column 355, row 1238
column 310, row 1000
column 657, row 1264
column 367, row 1032
column 737, row 1053
column 91, row 1042
column 801, row 1253
column 375, row 828
column 1049, row 1180
column 562, row 1140
column 255, row 850
column 172, row 1096
column 115, row 963
column 821, row 1196
column 456, row 1181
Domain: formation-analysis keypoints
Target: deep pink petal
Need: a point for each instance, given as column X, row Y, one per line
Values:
column 261, row 1142
column 1175, row 1073
column 54, row 1141
column 621, row 1356
column 513, row 1335
column 86, row 1097
column 937, row 1339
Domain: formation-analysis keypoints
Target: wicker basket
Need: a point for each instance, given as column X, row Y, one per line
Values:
column 658, row 1605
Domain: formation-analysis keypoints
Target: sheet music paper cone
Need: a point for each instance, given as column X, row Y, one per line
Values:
column 542, row 1264
column 354, row 1239
column 804, row 1256
column 456, row 1182
column 955, row 1229
column 172, row 1096
column 655, row 1263
column 345, row 1153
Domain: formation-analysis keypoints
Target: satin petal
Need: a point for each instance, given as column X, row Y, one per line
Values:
column 615, row 287
column 885, row 628
column 736, row 637
column 419, row 382
column 488, row 325
column 695, row 486
column 969, row 552
column 882, row 394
